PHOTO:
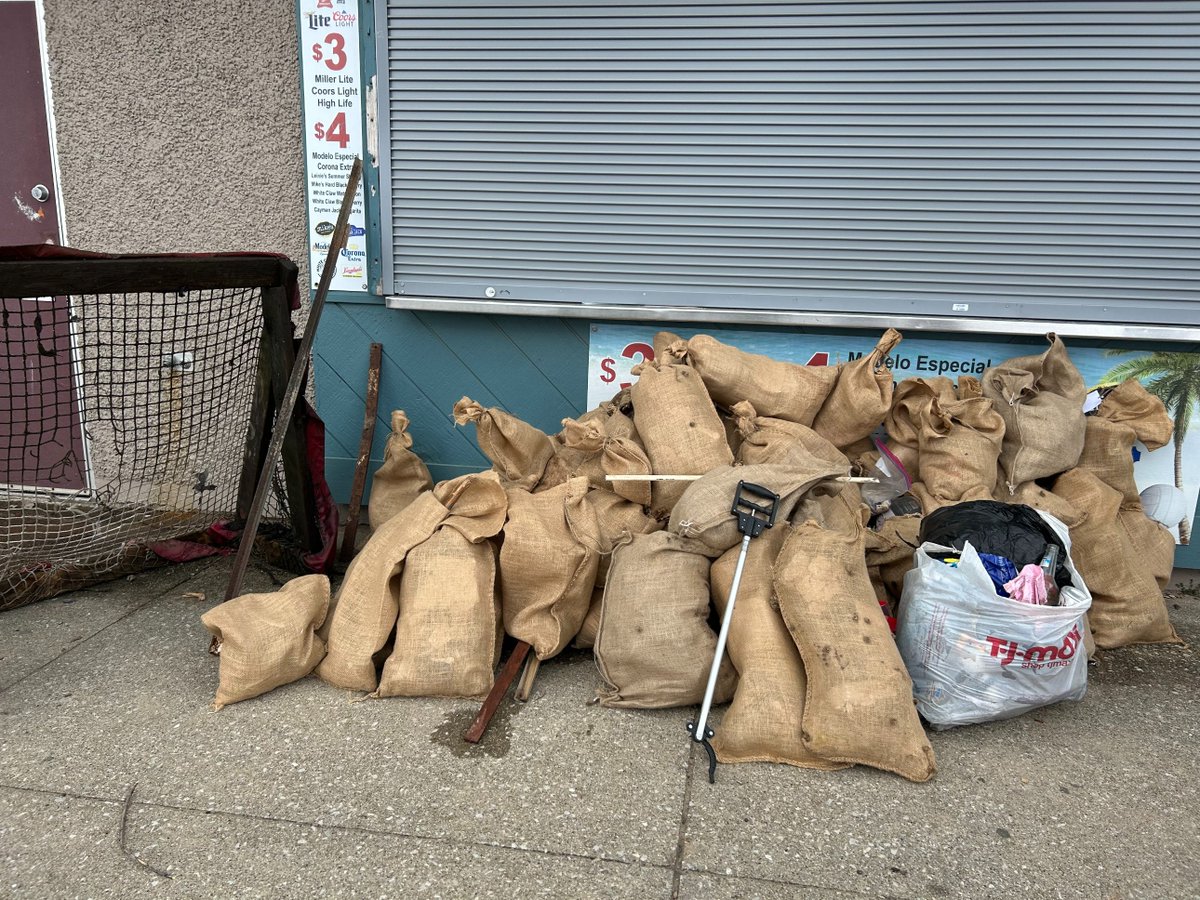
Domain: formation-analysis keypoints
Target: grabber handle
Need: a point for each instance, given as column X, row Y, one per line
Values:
column 754, row 516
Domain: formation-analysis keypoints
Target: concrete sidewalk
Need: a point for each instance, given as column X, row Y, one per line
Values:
column 303, row 793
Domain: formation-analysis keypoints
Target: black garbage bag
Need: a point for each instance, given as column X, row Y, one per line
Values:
column 1012, row 530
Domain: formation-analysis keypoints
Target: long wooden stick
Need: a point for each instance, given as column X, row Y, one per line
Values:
column 284, row 413
column 499, row 689
column 350, row 532
column 525, row 685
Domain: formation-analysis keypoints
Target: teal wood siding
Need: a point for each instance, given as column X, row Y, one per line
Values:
column 533, row 368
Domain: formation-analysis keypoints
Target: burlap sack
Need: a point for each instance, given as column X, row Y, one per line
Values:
column 889, row 554
column 268, row 640
column 704, row 513
column 1128, row 413
column 762, row 723
column 859, row 705
column 601, row 520
column 679, row 428
column 654, row 647
column 518, row 451
column 969, row 387
column 1127, row 603
column 733, row 437
column 781, row 390
column 1034, row 495
column 586, row 449
column 766, row 440
column 861, row 396
column 402, row 477
column 586, row 638
column 367, row 603
column 619, row 424
column 1152, row 543
column 447, row 639
column 1040, row 398
column 661, row 341
column 1108, row 454
column 1131, row 404
column 911, row 399
column 958, row 444
column 546, row 573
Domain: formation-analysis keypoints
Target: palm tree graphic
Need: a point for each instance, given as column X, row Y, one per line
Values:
column 1174, row 378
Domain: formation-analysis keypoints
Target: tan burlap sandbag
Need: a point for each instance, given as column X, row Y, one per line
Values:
column 1128, row 413
column 861, row 396
column 969, row 387
column 402, row 477
column 1152, row 543
column 1108, row 454
column 586, row 449
column 679, row 428
column 1040, row 398
column 661, row 341
column 602, row 521
column 1033, row 494
column 763, row 722
column 518, row 451
column 704, row 513
column 911, row 399
column 778, row 389
column 586, row 638
column 654, row 647
column 859, row 706
column 447, row 640
column 1131, row 404
column 546, row 573
column 889, row 555
column 959, row 445
column 268, row 640
column 1127, row 603
column 733, row 437
column 367, row 603
column 619, row 424
column 778, row 441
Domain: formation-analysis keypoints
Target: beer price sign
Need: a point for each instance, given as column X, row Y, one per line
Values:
column 333, row 134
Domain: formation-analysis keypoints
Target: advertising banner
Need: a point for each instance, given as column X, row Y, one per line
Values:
column 1174, row 377
column 331, row 79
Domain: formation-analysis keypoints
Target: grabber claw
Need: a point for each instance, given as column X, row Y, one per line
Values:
column 755, row 508
column 708, row 748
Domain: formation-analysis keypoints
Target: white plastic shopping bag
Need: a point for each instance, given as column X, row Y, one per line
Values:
column 975, row 656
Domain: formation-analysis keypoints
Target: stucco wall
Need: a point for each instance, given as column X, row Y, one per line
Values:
column 179, row 125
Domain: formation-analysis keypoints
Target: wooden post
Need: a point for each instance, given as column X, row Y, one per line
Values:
column 364, row 454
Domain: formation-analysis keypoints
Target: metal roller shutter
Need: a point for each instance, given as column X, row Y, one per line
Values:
column 1023, row 160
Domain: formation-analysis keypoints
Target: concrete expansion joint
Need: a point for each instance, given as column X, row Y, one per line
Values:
column 345, row 829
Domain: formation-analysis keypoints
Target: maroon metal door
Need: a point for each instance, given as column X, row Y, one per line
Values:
column 41, row 438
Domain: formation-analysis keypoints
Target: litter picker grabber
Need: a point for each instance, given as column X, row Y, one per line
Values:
column 752, row 518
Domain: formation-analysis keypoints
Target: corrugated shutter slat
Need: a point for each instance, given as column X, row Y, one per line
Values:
column 1033, row 159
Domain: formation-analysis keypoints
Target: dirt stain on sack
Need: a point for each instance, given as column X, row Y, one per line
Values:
column 496, row 740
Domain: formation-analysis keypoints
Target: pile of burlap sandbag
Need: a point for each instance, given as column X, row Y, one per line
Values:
column 1019, row 434
column 549, row 549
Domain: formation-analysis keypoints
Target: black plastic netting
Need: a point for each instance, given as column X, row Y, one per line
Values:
column 123, row 423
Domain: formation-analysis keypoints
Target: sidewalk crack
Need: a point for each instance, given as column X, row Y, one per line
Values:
column 677, row 866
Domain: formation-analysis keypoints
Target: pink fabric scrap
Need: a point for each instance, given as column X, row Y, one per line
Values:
column 1029, row 586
